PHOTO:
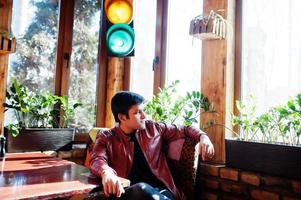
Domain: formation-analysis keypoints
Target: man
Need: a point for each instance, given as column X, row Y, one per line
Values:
column 134, row 150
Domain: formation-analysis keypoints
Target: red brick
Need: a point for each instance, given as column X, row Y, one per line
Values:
column 291, row 198
column 250, row 178
column 208, row 196
column 229, row 173
column 275, row 181
column 296, row 186
column 208, row 169
column 233, row 188
column 229, row 198
column 208, row 183
column 264, row 195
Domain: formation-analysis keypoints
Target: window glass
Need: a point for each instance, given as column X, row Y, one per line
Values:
column 183, row 58
column 142, row 74
column 35, row 26
column 271, row 48
column 83, row 76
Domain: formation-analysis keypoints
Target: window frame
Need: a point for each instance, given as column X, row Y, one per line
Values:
column 64, row 50
column 160, row 46
column 237, row 59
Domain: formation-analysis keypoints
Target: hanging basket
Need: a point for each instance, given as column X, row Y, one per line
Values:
column 212, row 26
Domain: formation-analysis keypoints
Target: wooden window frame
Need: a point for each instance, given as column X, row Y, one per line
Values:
column 238, row 45
column 64, row 47
column 160, row 46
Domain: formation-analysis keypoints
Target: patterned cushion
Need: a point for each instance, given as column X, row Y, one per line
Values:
column 184, row 170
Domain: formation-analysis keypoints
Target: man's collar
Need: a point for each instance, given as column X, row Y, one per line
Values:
column 121, row 134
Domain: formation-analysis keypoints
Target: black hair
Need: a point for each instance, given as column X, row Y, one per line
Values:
column 122, row 101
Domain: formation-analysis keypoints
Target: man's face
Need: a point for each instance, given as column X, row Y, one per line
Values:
column 135, row 120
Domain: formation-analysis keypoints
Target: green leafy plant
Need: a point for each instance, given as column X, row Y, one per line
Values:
column 167, row 106
column 37, row 110
column 280, row 124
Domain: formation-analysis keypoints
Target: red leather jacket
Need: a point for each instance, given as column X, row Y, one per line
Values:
column 114, row 151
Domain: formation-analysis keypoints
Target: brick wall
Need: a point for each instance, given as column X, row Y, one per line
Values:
column 217, row 182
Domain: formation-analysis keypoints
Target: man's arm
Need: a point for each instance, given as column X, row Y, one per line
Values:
column 173, row 132
column 99, row 166
column 206, row 149
column 99, row 156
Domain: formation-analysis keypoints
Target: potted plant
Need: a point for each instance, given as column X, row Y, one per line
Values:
column 269, row 143
column 169, row 107
column 41, row 120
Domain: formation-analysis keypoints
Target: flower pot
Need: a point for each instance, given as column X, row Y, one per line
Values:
column 274, row 159
column 40, row 139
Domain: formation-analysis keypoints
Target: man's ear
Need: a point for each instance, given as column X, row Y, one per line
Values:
column 121, row 117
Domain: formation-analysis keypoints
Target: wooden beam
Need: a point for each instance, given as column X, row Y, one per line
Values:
column 127, row 73
column 102, row 73
column 213, row 81
column 237, row 69
column 114, row 84
column 64, row 47
column 5, row 23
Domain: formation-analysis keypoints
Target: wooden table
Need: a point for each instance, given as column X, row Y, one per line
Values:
column 41, row 176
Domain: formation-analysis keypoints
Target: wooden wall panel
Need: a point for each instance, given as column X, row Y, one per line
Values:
column 5, row 21
column 213, row 81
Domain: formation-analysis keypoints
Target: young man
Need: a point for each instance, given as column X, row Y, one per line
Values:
column 134, row 150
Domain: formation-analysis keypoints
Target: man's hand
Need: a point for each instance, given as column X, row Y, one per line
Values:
column 111, row 184
column 206, row 148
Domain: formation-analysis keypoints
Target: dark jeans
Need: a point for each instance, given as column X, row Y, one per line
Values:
column 143, row 191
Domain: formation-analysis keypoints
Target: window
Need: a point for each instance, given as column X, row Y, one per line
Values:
column 183, row 56
column 35, row 26
column 83, row 75
column 142, row 74
column 271, row 48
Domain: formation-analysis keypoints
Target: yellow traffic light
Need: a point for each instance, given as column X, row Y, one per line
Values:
column 119, row 11
column 120, row 36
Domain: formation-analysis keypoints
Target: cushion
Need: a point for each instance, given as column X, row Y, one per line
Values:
column 92, row 135
column 184, row 170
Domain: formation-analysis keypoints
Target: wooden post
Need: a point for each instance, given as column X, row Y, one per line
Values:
column 114, row 84
column 5, row 22
column 215, row 81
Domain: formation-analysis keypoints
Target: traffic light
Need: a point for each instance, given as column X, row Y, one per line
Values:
column 120, row 36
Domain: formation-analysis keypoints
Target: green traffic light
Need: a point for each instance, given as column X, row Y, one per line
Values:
column 120, row 39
